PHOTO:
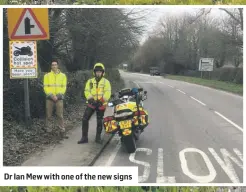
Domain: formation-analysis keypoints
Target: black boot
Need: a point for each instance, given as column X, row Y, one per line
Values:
column 83, row 140
column 85, row 127
column 98, row 139
column 99, row 126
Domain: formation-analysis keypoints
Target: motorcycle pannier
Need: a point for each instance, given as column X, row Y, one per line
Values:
column 110, row 124
column 144, row 119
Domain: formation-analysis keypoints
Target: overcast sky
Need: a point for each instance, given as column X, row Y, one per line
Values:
column 154, row 15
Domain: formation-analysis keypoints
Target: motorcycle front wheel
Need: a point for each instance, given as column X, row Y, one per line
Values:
column 130, row 143
column 16, row 53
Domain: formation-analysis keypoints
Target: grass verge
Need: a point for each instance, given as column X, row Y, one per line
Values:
column 225, row 86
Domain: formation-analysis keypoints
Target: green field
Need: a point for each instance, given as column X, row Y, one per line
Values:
column 3, row 2
column 229, row 87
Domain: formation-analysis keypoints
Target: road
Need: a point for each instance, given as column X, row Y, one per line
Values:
column 195, row 134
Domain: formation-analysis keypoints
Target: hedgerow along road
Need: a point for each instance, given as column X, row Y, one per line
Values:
column 195, row 134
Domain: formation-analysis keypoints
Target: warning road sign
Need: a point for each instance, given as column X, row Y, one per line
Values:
column 23, row 59
column 28, row 24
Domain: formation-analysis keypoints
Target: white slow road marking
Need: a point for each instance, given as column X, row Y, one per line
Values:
column 160, row 175
column 226, row 165
column 228, row 120
column 170, row 86
column 146, row 165
column 114, row 153
column 181, row 91
column 160, row 170
column 198, row 101
column 239, row 154
column 184, row 165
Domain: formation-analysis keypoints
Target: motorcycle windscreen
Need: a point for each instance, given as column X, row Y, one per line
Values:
column 110, row 124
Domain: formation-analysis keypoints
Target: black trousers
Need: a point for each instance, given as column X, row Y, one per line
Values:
column 86, row 118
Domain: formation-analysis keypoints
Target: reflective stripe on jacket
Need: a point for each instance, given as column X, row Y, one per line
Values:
column 98, row 90
column 55, row 83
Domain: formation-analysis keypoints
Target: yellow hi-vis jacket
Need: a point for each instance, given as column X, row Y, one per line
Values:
column 98, row 90
column 55, row 84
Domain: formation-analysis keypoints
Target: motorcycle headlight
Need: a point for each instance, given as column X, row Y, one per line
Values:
column 110, row 104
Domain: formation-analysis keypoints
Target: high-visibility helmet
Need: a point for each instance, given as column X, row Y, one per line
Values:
column 99, row 67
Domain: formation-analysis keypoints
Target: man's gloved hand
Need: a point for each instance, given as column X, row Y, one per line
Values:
column 101, row 105
column 60, row 96
column 91, row 101
column 101, row 101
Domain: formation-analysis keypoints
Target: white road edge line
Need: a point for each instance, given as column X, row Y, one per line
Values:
column 198, row 101
column 228, row 120
column 137, row 84
column 181, row 91
column 170, row 86
column 114, row 153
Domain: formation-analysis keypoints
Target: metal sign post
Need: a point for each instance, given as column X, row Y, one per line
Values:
column 27, row 103
column 206, row 64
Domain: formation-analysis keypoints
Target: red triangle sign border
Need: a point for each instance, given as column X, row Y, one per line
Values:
column 19, row 22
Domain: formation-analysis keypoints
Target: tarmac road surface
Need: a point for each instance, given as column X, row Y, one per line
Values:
column 195, row 134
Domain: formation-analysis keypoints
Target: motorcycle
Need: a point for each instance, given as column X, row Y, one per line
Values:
column 129, row 118
column 23, row 51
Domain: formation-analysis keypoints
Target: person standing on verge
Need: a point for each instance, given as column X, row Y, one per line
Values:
column 55, row 85
column 97, row 92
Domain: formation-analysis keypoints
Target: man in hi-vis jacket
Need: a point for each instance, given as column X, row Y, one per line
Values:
column 97, row 93
column 55, row 85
